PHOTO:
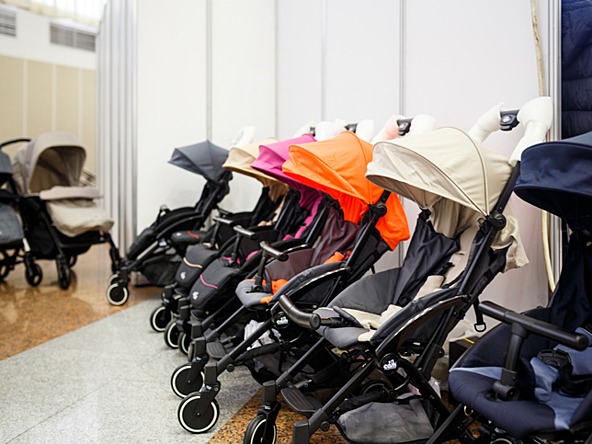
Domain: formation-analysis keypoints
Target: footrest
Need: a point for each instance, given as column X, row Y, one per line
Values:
column 300, row 402
column 216, row 350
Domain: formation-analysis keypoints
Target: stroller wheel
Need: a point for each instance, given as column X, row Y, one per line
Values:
column 256, row 433
column 113, row 279
column 183, row 342
column 160, row 318
column 64, row 276
column 33, row 274
column 117, row 294
column 180, row 383
column 194, row 421
column 171, row 334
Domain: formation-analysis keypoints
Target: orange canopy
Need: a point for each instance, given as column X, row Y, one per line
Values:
column 337, row 166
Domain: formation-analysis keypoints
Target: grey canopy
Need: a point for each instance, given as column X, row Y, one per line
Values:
column 203, row 158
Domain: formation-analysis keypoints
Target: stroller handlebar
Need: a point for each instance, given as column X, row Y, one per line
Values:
column 268, row 250
column 296, row 315
column 10, row 142
column 245, row 233
column 550, row 331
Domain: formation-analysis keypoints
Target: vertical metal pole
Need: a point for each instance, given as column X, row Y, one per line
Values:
column 554, row 90
column 402, row 55
column 402, row 90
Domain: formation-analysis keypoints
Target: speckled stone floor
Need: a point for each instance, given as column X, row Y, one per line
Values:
column 74, row 369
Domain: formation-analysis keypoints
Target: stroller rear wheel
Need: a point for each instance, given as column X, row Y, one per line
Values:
column 33, row 274
column 117, row 294
column 183, row 342
column 159, row 318
column 194, row 421
column 180, row 381
column 171, row 334
column 256, row 433
column 64, row 275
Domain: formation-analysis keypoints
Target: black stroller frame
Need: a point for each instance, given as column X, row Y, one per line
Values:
column 202, row 328
column 238, row 243
column 329, row 279
column 420, row 328
column 166, row 224
column 444, row 309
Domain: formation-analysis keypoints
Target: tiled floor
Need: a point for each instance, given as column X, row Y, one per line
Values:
column 74, row 369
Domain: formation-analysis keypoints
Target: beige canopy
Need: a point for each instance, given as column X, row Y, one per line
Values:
column 453, row 176
column 240, row 159
column 54, row 158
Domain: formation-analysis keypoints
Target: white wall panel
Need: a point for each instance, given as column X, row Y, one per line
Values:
column 463, row 57
column 298, row 65
column 171, row 101
column 362, row 78
column 243, row 82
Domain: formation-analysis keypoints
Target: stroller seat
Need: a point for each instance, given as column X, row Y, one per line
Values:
column 537, row 366
column 366, row 315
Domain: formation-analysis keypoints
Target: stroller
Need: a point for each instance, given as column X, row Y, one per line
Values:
column 11, row 231
column 60, row 217
column 199, row 255
column 217, row 281
column 371, row 222
column 389, row 328
column 157, row 250
column 230, row 239
column 537, row 366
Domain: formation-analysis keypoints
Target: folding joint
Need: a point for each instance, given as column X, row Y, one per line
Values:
column 211, row 374
column 196, row 329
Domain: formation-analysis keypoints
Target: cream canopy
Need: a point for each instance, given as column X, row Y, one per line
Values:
column 456, row 178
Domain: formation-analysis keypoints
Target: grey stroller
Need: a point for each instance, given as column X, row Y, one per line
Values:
column 61, row 219
column 11, row 232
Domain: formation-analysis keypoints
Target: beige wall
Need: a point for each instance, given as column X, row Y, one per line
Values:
column 38, row 97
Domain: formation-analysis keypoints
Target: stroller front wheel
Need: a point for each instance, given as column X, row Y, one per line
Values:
column 159, row 318
column 256, row 432
column 117, row 294
column 195, row 421
column 33, row 274
column 171, row 334
column 183, row 342
column 64, row 276
column 181, row 384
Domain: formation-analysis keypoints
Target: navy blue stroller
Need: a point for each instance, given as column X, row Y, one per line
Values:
column 530, row 378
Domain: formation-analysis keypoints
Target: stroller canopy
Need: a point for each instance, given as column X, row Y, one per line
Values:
column 555, row 176
column 52, row 159
column 455, row 177
column 203, row 158
column 240, row 159
column 272, row 157
column 337, row 166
